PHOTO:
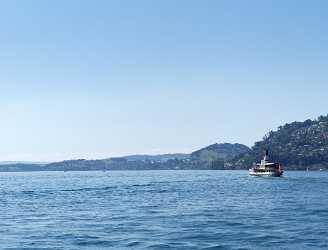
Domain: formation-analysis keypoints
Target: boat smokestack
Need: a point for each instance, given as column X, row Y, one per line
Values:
column 266, row 156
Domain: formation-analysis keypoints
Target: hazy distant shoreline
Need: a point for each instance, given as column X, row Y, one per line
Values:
column 297, row 145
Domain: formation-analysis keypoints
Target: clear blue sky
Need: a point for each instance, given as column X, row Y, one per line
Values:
column 92, row 79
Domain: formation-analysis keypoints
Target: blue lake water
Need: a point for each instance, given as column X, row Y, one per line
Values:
column 163, row 210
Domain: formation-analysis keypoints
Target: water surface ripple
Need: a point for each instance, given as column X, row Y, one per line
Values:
column 163, row 210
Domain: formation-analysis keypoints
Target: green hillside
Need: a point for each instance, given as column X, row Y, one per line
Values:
column 225, row 151
column 297, row 145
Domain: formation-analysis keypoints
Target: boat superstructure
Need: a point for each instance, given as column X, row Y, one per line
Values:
column 267, row 168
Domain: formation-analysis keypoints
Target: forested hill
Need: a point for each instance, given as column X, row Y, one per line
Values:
column 225, row 151
column 298, row 145
column 210, row 157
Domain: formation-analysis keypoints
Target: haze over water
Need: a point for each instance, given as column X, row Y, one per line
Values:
column 163, row 210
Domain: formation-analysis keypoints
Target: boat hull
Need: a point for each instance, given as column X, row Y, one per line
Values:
column 265, row 173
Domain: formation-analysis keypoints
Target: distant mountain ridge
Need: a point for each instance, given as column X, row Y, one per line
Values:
column 297, row 145
column 225, row 151
column 21, row 162
column 211, row 157
column 160, row 157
